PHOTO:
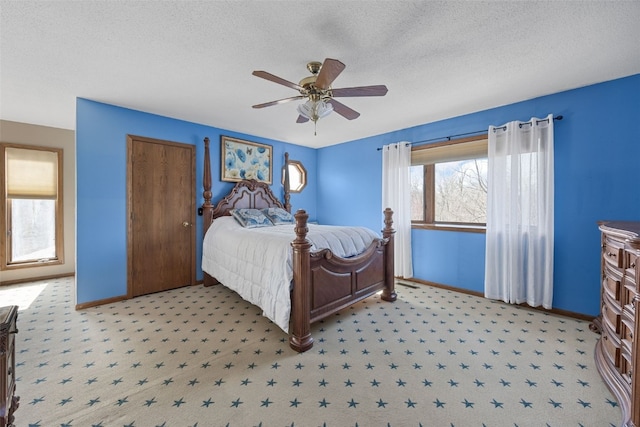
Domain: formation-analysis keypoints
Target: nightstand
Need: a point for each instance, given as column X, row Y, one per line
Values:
column 8, row 400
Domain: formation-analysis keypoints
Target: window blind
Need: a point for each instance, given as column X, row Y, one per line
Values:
column 31, row 174
column 448, row 152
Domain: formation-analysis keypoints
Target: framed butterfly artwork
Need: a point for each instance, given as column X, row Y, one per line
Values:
column 245, row 160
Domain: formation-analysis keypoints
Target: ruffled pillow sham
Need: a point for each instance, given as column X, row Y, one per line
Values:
column 251, row 218
column 278, row 216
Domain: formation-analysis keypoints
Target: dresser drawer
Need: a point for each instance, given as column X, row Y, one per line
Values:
column 629, row 291
column 611, row 315
column 611, row 345
column 626, row 367
column 612, row 284
column 631, row 262
column 627, row 328
column 612, row 252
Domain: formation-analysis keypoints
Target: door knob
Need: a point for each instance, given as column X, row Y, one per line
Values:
column 186, row 224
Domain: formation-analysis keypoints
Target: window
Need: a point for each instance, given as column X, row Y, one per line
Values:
column 297, row 176
column 31, row 206
column 449, row 185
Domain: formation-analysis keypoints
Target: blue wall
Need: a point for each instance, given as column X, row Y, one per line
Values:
column 597, row 153
column 101, row 158
column 597, row 148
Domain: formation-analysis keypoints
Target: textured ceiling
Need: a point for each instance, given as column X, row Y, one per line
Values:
column 192, row 60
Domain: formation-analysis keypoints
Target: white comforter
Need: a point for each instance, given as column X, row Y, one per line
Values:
column 256, row 263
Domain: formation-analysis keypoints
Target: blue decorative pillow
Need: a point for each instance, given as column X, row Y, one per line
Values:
column 251, row 218
column 278, row 216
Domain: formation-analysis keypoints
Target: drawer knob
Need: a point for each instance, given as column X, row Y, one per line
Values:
column 610, row 253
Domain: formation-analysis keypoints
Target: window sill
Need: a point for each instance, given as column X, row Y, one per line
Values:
column 33, row 264
column 451, row 227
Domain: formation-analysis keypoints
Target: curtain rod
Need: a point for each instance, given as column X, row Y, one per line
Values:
column 448, row 138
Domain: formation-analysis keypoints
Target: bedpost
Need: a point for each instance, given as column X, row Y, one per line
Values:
column 207, row 207
column 300, row 325
column 287, row 204
column 389, row 293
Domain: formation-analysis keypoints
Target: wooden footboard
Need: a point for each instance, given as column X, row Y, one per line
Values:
column 324, row 284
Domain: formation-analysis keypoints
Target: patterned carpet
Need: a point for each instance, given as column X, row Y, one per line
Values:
column 203, row 357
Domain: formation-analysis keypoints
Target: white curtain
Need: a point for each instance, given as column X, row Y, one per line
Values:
column 519, row 250
column 396, row 161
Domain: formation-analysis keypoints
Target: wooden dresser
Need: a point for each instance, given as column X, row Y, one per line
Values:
column 8, row 399
column 616, row 354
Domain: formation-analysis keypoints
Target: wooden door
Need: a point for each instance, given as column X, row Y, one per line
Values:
column 161, row 215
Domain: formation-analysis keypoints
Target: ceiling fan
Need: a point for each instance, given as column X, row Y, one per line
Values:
column 319, row 93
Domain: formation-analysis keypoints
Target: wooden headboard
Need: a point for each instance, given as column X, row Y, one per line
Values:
column 245, row 194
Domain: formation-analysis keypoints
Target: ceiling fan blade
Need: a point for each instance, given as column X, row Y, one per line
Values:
column 331, row 68
column 302, row 119
column 276, row 79
column 376, row 90
column 279, row 101
column 343, row 110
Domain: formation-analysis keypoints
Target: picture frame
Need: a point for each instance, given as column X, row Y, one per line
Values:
column 242, row 159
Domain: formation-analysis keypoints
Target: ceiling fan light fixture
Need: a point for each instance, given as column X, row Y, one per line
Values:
column 314, row 110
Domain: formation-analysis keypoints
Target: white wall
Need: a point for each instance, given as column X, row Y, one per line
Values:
column 23, row 133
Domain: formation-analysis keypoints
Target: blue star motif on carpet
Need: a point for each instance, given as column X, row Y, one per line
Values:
column 438, row 403
column 496, row 404
column 122, row 401
column 555, row 404
column 526, row 404
column 295, row 402
column 467, row 404
column 65, row 401
column 37, row 400
column 612, row 402
column 584, row 404
column 266, row 402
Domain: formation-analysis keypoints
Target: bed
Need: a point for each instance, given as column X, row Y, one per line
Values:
column 322, row 282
